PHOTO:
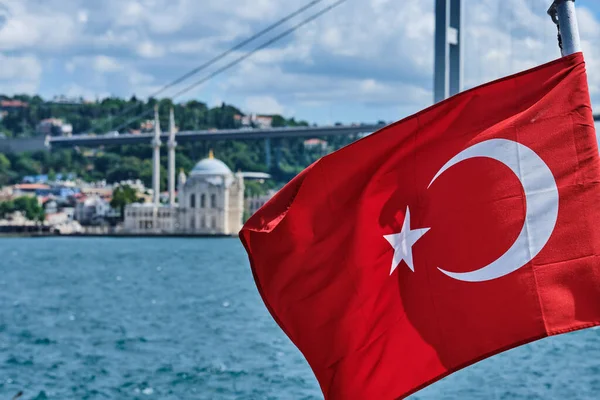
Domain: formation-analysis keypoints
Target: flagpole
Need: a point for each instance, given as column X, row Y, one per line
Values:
column 563, row 14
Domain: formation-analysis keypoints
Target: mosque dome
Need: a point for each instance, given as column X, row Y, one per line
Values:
column 210, row 166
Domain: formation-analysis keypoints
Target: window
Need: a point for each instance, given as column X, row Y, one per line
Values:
column 202, row 200
column 192, row 201
column 202, row 222
column 213, row 201
column 193, row 222
column 214, row 222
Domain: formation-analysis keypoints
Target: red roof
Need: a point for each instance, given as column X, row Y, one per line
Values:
column 31, row 186
column 13, row 103
column 315, row 141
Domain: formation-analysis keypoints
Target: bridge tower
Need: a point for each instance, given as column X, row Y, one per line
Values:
column 172, row 144
column 448, row 74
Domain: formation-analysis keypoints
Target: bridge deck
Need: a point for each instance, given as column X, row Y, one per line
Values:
column 228, row 134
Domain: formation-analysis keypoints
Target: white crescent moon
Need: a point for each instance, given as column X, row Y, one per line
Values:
column 541, row 199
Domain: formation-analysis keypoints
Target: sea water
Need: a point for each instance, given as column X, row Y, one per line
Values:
column 101, row 318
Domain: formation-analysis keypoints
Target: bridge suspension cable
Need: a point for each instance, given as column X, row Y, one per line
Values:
column 222, row 55
column 261, row 47
column 240, row 59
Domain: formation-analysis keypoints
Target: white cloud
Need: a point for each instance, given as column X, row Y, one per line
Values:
column 103, row 64
column 148, row 49
column 19, row 74
column 369, row 55
column 257, row 10
column 130, row 13
column 82, row 16
column 588, row 23
column 215, row 102
column 264, row 105
column 75, row 91
column 21, row 67
column 139, row 78
column 100, row 64
column 123, row 38
column 158, row 16
column 40, row 27
column 70, row 67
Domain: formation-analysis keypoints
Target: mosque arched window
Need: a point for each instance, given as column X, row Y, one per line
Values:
column 202, row 200
column 213, row 201
column 192, row 201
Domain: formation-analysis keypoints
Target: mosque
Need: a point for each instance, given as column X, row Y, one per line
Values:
column 210, row 201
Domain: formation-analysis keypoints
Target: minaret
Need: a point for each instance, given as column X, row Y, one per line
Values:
column 172, row 144
column 180, row 185
column 156, row 159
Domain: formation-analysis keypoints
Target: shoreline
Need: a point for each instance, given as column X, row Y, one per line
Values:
column 113, row 235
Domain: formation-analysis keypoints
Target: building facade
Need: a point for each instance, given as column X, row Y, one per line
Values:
column 91, row 211
column 254, row 203
column 210, row 202
column 146, row 218
column 212, row 199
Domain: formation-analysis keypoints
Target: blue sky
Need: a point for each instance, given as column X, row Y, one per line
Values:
column 366, row 60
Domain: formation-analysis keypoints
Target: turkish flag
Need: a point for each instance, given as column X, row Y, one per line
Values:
column 457, row 233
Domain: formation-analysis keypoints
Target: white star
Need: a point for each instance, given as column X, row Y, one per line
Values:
column 403, row 242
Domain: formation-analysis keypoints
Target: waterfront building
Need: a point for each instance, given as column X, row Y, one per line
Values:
column 99, row 190
column 91, row 211
column 254, row 120
column 146, row 218
column 6, row 193
column 210, row 201
column 28, row 189
column 54, row 127
column 253, row 203
column 316, row 144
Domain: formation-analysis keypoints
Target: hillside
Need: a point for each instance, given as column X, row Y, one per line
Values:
column 131, row 162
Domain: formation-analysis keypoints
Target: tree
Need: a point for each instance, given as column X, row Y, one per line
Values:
column 122, row 196
column 278, row 121
column 5, row 172
column 105, row 162
column 117, row 163
column 25, row 165
column 30, row 207
column 4, row 163
column 6, row 207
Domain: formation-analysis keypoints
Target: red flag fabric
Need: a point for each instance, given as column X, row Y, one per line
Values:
column 452, row 235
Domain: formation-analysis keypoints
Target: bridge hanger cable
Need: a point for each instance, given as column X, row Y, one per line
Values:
column 226, row 53
column 134, row 119
column 242, row 58
column 261, row 47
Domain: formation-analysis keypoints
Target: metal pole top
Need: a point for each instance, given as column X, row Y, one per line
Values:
column 563, row 15
column 553, row 12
